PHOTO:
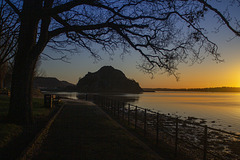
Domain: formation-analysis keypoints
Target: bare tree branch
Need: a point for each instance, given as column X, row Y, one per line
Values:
column 13, row 7
column 223, row 18
column 63, row 58
column 164, row 32
column 8, row 33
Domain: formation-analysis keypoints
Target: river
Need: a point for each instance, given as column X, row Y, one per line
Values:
column 219, row 109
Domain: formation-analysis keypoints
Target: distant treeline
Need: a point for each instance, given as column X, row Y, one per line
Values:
column 214, row 89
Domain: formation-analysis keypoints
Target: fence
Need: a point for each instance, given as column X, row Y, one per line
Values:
column 182, row 136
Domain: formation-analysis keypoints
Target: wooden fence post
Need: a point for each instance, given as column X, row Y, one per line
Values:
column 123, row 110
column 109, row 102
column 176, row 138
column 118, row 105
column 205, row 143
column 157, row 129
column 145, row 122
column 112, row 103
column 136, row 116
column 101, row 101
column 105, row 102
column 128, row 114
column 114, row 109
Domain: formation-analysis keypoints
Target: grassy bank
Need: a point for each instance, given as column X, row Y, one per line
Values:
column 9, row 131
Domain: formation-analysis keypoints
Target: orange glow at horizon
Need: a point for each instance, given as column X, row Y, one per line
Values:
column 204, row 75
column 170, row 82
column 219, row 75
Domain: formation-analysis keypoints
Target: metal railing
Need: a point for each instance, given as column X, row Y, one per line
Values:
column 184, row 137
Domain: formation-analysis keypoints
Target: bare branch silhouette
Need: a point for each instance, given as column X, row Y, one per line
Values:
column 63, row 58
column 165, row 33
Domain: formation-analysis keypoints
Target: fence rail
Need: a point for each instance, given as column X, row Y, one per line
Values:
column 193, row 139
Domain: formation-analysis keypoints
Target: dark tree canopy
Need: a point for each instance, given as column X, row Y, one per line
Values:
column 8, row 38
column 8, row 32
column 163, row 32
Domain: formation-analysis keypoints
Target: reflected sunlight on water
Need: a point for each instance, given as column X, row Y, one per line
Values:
column 221, row 110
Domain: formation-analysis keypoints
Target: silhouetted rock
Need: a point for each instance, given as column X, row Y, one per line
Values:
column 50, row 83
column 108, row 79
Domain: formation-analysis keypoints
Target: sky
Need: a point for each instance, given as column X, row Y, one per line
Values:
column 206, row 74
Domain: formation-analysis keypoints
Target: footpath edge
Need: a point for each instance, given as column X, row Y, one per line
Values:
column 35, row 145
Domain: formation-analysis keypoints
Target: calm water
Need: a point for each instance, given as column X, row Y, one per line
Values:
column 220, row 110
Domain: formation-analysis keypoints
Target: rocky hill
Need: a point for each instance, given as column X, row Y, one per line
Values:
column 51, row 83
column 108, row 79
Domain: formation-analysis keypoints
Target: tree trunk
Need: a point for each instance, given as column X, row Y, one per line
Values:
column 1, row 77
column 3, row 71
column 1, row 83
column 20, row 110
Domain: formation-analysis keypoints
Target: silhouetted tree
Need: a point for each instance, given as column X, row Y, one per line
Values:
column 163, row 32
column 8, row 38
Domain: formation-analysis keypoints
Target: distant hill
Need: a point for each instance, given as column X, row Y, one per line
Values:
column 108, row 79
column 51, row 83
column 213, row 89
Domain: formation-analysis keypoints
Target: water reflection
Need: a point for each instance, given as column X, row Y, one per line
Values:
column 127, row 98
column 220, row 110
column 70, row 95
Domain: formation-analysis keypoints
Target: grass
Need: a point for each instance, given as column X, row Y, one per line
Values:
column 9, row 131
column 38, row 108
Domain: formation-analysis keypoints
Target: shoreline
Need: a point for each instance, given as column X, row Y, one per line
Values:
column 212, row 89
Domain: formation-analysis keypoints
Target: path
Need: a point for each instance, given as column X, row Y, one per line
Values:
column 83, row 131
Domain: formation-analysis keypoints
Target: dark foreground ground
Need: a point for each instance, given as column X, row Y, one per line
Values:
column 83, row 131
